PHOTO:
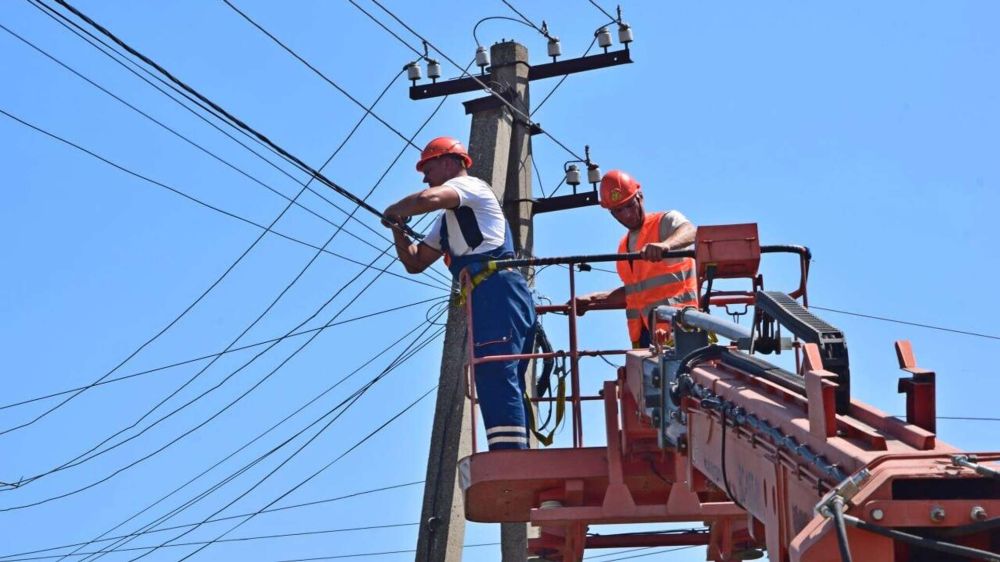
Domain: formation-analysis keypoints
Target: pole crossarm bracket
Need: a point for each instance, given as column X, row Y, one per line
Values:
column 537, row 72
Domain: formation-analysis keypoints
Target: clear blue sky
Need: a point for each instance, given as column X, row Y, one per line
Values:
column 868, row 132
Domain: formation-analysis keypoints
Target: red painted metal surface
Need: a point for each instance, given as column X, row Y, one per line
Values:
column 761, row 494
column 733, row 250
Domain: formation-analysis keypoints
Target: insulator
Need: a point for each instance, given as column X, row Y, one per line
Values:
column 482, row 57
column 573, row 175
column 624, row 33
column 593, row 174
column 555, row 49
column 603, row 38
column 413, row 71
column 433, row 69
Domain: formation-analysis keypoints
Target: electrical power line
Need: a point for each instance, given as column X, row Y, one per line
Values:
column 907, row 323
column 307, row 479
column 368, row 554
column 193, row 198
column 210, row 355
column 298, row 534
column 94, row 41
column 526, row 118
column 7, row 557
column 603, row 11
column 528, row 21
column 475, row 28
column 409, row 351
column 228, row 270
column 77, row 461
column 292, row 158
column 212, row 362
column 292, row 200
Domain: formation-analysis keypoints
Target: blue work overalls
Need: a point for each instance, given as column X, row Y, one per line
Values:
column 503, row 323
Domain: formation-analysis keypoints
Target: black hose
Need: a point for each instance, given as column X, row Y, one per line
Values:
column 971, row 528
column 686, row 364
column 924, row 542
column 837, row 509
column 542, row 342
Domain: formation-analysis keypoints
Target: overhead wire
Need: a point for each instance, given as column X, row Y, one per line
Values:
column 107, row 50
column 343, row 406
column 192, row 198
column 527, row 20
column 526, row 118
column 273, row 303
column 296, row 534
column 386, row 28
column 9, row 557
column 408, row 352
column 603, row 11
column 301, row 483
column 317, row 71
column 324, row 501
column 368, row 554
column 907, row 323
column 228, row 270
column 77, row 461
column 292, row 200
column 475, row 27
column 210, row 355
column 279, row 297
column 292, row 158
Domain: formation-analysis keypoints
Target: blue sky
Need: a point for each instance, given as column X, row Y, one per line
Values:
column 867, row 132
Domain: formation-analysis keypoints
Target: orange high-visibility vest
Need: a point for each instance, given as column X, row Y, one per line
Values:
column 651, row 284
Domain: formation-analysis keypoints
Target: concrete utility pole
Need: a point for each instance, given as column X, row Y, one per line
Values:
column 500, row 147
column 498, row 143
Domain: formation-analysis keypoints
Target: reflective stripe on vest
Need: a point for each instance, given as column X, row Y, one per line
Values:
column 651, row 284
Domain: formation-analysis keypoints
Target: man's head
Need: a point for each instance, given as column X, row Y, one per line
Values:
column 442, row 159
column 620, row 194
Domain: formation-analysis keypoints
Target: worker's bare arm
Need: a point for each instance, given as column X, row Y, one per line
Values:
column 608, row 299
column 415, row 257
column 682, row 237
column 430, row 199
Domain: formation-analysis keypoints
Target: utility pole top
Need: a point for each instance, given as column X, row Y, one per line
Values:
column 507, row 53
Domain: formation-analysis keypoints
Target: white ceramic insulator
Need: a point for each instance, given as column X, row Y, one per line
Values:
column 573, row 175
column 482, row 57
column 624, row 33
column 555, row 49
column 603, row 38
column 413, row 71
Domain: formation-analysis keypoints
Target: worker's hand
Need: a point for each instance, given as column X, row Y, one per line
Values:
column 582, row 304
column 392, row 218
column 654, row 251
column 392, row 222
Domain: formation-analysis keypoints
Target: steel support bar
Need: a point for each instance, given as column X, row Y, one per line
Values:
column 693, row 318
column 537, row 72
column 563, row 202
column 686, row 538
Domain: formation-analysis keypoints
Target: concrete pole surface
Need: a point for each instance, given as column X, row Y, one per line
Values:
column 498, row 144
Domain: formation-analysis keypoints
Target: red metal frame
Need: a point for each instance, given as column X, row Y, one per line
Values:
column 575, row 398
column 633, row 480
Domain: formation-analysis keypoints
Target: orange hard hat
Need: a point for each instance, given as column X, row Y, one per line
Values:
column 441, row 146
column 617, row 189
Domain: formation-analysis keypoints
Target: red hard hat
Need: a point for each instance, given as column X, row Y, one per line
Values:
column 617, row 189
column 441, row 146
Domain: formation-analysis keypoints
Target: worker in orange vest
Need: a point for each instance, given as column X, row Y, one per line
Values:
column 652, row 281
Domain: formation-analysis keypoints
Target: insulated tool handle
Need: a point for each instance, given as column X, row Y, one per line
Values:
column 594, row 258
